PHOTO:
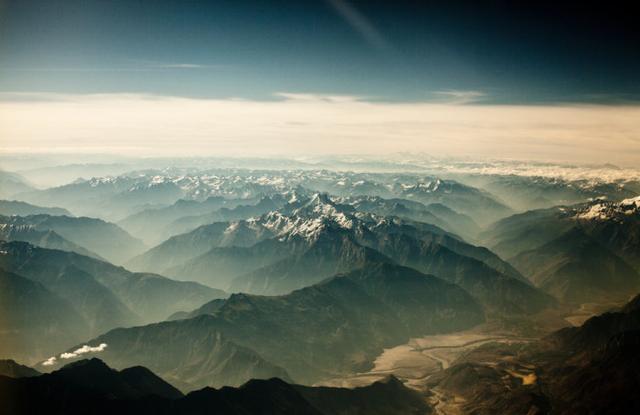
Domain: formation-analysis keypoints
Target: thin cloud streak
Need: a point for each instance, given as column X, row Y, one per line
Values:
column 460, row 97
column 361, row 25
column 299, row 124
column 124, row 68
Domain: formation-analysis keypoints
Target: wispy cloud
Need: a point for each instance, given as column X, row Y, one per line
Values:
column 460, row 97
column 182, row 66
column 361, row 25
column 143, row 67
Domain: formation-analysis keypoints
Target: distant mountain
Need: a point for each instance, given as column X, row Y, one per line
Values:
column 105, row 239
column 577, row 269
column 313, row 238
column 337, row 326
column 615, row 225
column 90, row 386
column 17, row 208
column 106, row 295
column 35, row 322
column 436, row 214
column 12, row 184
column 108, row 197
column 58, row 175
column 180, row 248
column 13, row 369
column 150, row 223
column 224, row 214
column 527, row 193
column 526, row 231
column 11, row 230
column 116, row 198
column 479, row 205
column 158, row 224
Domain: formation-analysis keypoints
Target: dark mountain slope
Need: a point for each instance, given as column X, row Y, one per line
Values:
column 496, row 291
column 329, row 254
column 43, row 238
column 35, row 322
column 188, row 353
column 90, row 387
column 17, row 208
column 574, row 268
column 12, row 369
column 113, row 243
column 321, row 331
column 150, row 223
column 180, row 248
column 108, row 296
column 591, row 369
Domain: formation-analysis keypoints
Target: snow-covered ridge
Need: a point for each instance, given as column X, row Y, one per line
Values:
column 604, row 210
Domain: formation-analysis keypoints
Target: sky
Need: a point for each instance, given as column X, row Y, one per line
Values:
column 497, row 78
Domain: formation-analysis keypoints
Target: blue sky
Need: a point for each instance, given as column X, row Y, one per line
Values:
column 390, row 51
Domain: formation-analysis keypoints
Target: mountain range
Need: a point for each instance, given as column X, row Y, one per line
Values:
column 114, row 244
column 589, row 369
column 579, row 253
column 330, row 328
column 97, row 295
column 313, row 238
column 90, row 386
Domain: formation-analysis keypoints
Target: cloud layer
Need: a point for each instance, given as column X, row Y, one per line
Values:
column 303, row 124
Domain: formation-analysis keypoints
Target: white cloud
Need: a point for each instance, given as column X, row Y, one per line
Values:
column 50, row 361
column 83, row 350
column 310, row 124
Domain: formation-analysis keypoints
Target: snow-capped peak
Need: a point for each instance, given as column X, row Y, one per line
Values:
column 605, row 210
